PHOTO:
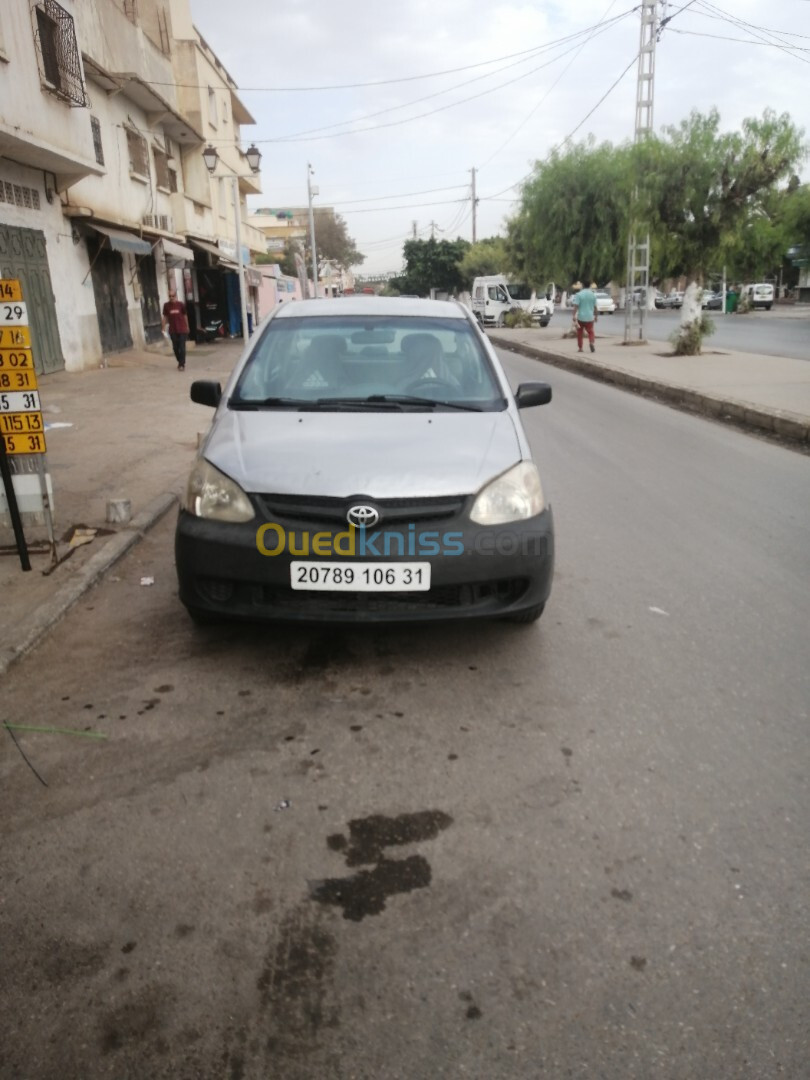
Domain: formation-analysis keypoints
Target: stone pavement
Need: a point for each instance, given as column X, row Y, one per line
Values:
column 130, row 431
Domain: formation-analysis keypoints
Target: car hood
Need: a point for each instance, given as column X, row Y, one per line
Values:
column 378, row 454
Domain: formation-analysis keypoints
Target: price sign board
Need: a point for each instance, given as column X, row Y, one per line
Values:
column 16, row 423
column 18, row 380
column 22, row 401
column 10, row 289
column 26, row 487
column 13, row 313
column 29, row 443
column 15, row 337
column 19, row 359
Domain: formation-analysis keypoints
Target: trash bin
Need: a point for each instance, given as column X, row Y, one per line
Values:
column 732, row 299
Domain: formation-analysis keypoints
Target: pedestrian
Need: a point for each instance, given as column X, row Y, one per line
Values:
column 176, row 319
column 584, row 303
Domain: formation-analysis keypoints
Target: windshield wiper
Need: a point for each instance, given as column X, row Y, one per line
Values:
column 429, row 403
column 269, row 402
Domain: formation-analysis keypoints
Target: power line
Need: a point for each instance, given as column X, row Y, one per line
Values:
column 384, row 82
column 311, row 134
column 520, row 126
column 571, row 134
column 744, row 41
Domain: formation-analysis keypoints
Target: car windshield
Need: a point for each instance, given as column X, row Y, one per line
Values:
column 520, row 291
column 361, row 361
column 602, row 294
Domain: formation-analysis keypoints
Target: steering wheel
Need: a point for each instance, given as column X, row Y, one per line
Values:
column 431, row 383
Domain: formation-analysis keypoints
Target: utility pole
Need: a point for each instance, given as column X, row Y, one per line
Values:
column 638, row 242
column 414, row 223
column 474, row 205
column 312, row 190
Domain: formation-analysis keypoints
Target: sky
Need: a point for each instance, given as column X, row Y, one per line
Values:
column 394, row 104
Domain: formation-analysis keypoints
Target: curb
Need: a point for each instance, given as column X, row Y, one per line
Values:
column 784, row 425
column 33, row 628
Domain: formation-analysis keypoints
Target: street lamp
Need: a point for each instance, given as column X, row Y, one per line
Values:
column 254, row 157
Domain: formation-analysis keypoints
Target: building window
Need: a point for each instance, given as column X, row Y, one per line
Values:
column 212, row 107
column 95, row 126
column 161, row 168
column 138, row 153
column 172, row 180
column 58, row 53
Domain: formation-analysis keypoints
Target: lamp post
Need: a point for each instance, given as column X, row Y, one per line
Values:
column 311, row 190
column 254, row 157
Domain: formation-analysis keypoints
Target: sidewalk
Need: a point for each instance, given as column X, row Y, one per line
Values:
column 131, row 433
column 768, row 393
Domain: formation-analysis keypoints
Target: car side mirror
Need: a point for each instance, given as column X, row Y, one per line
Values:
column 206, row 392
column 532, row 393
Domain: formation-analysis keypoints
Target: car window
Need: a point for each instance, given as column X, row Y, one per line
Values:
column 520, row 291
column 339, row 357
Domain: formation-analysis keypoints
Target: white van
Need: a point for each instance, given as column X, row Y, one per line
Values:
column 760, row 295
column 494, row 296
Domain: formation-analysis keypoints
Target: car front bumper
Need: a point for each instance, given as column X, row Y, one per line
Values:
column 503, row 570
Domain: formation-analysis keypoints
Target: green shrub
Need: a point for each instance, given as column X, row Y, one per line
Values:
column 687, row 340
column 518, row 319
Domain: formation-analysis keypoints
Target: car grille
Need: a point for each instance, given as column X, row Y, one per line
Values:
column 328, row 510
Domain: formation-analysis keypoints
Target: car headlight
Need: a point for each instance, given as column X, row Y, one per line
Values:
column 214, row 496
column 514, row 496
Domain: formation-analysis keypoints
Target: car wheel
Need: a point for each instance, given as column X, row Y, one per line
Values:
column 544, row 322
column 530, row 615
column 767, row 307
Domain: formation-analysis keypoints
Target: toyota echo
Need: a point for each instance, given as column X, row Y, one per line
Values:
column 366, row 462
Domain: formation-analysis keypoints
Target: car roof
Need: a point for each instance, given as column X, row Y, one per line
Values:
column 371, row 305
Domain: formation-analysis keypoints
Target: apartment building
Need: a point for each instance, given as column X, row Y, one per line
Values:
column 104, row 194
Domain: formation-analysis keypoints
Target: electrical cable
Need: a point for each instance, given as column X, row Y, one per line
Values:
column 381, row 82
column 520, row 126
column 571, row 134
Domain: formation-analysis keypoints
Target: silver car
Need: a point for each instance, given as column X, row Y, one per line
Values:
column 366, row 462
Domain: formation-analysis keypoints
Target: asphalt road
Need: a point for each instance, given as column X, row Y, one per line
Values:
column 772, row 333
column 576, row 849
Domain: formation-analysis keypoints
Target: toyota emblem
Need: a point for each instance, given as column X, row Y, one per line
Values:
column 363, row 517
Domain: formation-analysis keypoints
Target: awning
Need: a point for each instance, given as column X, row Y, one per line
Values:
column 177, row 252
column 124, row 241
column 203, row 245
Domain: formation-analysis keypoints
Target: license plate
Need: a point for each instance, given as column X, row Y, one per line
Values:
column 360, row 576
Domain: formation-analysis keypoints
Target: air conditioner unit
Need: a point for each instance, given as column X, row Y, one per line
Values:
column 164, row 222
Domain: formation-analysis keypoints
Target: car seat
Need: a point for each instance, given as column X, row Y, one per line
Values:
column 321, row 366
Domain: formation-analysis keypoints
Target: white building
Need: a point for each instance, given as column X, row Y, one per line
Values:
column 103, row 191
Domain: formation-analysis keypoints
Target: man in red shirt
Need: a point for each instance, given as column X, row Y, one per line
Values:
column 175, row 318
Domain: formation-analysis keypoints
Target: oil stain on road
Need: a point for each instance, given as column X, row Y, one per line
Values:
column 365, row 893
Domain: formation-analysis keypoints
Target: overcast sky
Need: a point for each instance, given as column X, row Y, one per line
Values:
column 491, row 85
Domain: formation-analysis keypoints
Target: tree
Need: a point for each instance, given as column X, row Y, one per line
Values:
column 432, row 264
column 572, row 221
column 332, row 241
column 708, row 198
column 703, row 191
column 484, row 257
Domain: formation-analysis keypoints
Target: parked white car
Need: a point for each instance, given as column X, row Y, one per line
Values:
column 605, row 304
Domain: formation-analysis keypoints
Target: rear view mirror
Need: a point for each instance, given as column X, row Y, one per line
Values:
column 532, row 393
column 206, row 392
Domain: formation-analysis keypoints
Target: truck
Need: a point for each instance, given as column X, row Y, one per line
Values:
column 494, row 296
